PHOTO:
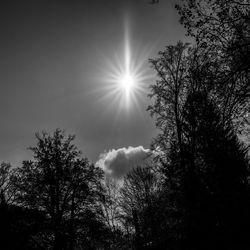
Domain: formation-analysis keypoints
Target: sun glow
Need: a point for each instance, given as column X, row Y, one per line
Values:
column 127, row 83
column 124, row 77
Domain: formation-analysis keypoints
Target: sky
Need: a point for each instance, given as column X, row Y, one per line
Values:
column 61, row 64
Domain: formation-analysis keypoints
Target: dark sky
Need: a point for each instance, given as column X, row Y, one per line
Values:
column 53, row 56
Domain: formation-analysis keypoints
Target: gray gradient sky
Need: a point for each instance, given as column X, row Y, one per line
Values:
column 52, row 59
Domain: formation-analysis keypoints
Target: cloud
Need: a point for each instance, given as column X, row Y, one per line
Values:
column 118, row 162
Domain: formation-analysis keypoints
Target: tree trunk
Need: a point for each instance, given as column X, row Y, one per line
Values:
column 137, row 231
column 71, row 229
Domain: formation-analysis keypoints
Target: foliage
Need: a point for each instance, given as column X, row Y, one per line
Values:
column 7, row 190
column 222, row 31
column 169, row 93
column 61, row 184
column 215, row 178
column 139, row 205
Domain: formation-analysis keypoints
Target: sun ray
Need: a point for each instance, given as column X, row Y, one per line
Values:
column 124, row 81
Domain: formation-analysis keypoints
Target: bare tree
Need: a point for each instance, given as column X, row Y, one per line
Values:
column 222, row 29
column 7, row 189
column 169, row 93
column 137, row 200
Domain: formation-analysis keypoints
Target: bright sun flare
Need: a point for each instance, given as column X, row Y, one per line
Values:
column 127, row 82
column 125, row 76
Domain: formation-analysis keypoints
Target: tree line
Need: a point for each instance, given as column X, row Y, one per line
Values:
column 194, row 194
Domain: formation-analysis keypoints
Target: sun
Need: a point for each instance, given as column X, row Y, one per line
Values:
column 127, row 83
column 124, row 77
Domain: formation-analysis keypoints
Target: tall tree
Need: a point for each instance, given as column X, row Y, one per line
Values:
column 111, row 212
column 60, row 183
column 222, row 29
column 220, row 164
column 7, row 190
column 204, row 165
column 139, row 196
column 210, row 193
column 169, row 93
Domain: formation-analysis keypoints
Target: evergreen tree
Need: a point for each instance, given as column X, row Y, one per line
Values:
column 210, row 193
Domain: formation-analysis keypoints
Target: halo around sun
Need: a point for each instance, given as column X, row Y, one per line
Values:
column 124, row 78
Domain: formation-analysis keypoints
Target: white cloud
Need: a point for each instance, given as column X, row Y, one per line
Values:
column 118, row 162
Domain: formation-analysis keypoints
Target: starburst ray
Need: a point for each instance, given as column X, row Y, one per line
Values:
column 124, row 78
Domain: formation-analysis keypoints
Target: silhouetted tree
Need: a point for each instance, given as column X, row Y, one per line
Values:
column 7, row 190
column 19, row 226
column 4, row 183
column 111, row 212
column 169, row 93
column 138, row 201
column 215, row 181
column 208, row 199
column 203, row 164
column 222, row 31
column 7, row 197
column 61, row 184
